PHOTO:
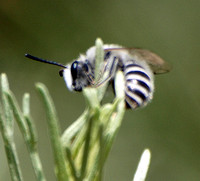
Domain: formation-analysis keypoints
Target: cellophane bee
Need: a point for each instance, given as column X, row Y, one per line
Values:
column 137, row 65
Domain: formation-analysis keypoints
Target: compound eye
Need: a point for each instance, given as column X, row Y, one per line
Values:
column 74, row 68
column 61, row 73
column 85, row 67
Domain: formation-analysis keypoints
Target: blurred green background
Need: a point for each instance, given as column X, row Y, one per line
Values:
column 60, row 30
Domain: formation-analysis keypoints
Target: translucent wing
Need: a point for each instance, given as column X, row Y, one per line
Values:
column 157, row 64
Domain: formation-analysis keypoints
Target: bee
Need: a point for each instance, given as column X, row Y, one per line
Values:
column 137, row 65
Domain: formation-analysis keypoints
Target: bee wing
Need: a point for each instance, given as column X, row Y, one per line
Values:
column 157, row 64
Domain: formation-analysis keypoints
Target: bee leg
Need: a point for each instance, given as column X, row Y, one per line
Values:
column 108, row 71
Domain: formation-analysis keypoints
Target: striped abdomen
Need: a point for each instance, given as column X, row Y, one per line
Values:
column 139, row 84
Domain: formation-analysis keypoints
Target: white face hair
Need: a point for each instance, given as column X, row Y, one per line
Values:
column 68, row 77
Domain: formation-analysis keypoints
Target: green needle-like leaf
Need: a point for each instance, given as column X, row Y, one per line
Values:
column 27, row 128
column 54, row 132
column 7, row 131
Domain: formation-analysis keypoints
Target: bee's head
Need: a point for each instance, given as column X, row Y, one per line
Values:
column 75, row 75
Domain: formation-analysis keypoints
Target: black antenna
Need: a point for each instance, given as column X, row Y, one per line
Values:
column 44, row 61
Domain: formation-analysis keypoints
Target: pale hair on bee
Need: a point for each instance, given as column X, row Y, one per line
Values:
column 137, row 65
